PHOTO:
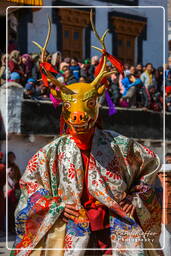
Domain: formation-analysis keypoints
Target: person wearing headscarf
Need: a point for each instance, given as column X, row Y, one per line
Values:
column 94, row 63
column 86, row 70
column 56, row 60
column 15, row 77
column 63, row 67
column 35, row 66
column 27, row 64
column 30, row 89
column 68, row 60
column 4, row 70
column 14, row 63
column 14, row 176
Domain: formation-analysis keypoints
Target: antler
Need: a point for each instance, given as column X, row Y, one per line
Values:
column 103, row 73
column 43, row 49
column 58, row 84
column 44, row 57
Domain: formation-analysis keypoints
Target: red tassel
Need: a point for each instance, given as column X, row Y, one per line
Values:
column 47, row 66
column 98, row 68
column 119, row 66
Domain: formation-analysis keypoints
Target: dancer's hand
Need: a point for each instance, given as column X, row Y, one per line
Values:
column 70, row 212
column 127, row 207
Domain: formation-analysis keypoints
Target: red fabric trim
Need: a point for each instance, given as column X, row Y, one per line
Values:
column 62, row 125
column 98, row 68
column 97, row 214
column 119, row 66
column 47, row 66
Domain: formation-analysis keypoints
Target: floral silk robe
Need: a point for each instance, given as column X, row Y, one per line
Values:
column 54, row 176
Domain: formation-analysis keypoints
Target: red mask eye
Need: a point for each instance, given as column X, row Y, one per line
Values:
column 66, row 105
column 91, row 103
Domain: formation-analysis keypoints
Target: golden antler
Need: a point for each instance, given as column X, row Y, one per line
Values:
column 43, row 49
column 62, row 87
column 103, row 73
column 44, row 58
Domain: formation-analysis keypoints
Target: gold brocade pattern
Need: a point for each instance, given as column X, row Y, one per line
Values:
column 54, row 177
column 29, row 2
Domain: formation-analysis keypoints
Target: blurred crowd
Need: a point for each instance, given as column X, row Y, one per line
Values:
column 140, row 87
column 10, row 191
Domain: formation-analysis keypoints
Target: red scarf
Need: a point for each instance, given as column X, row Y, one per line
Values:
column 83, row 141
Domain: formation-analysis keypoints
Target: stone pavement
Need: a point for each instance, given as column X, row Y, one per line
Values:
column 3, row 250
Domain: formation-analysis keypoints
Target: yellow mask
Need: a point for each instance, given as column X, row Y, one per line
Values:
column 80, row 100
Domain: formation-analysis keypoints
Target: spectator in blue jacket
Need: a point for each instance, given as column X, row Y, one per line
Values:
column 75, row 68
column 29, row 90
column 130, row 84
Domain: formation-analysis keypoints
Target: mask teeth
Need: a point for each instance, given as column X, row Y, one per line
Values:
column 80, row 126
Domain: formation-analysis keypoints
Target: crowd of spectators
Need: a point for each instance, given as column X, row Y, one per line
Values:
column 140, row 87
column 9, row 189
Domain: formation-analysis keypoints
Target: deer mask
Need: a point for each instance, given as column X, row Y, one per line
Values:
column 80, row 107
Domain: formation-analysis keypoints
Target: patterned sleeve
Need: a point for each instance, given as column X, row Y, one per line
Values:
column 141, row 192
column 39, row 207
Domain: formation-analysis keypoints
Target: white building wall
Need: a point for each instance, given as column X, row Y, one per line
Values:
column 152, row 48
column 158, row 27
column 101, row 23
column 155, row 31
column 37, row 30
column 24, row 147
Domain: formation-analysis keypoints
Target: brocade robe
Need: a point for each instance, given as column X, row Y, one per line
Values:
column 54, row 177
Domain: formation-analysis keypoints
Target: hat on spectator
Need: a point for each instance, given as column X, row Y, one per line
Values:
column 31, row 80
column 55, row 56
column 29, row 86
column 94, row 60
column 14, row 76
column 87, row 61
column 63, row 64
column 67, row 60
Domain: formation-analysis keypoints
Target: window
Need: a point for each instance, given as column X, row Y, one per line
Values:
column 128, row 44
column 76, row 35
column 66, row 33
column 127, row 30
column 119, row 43
column 73, row 22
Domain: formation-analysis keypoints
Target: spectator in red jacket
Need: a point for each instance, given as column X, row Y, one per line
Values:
column 14, row 63
column 14, row 176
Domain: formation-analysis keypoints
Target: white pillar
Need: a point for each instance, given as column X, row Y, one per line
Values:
column 12, row 116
